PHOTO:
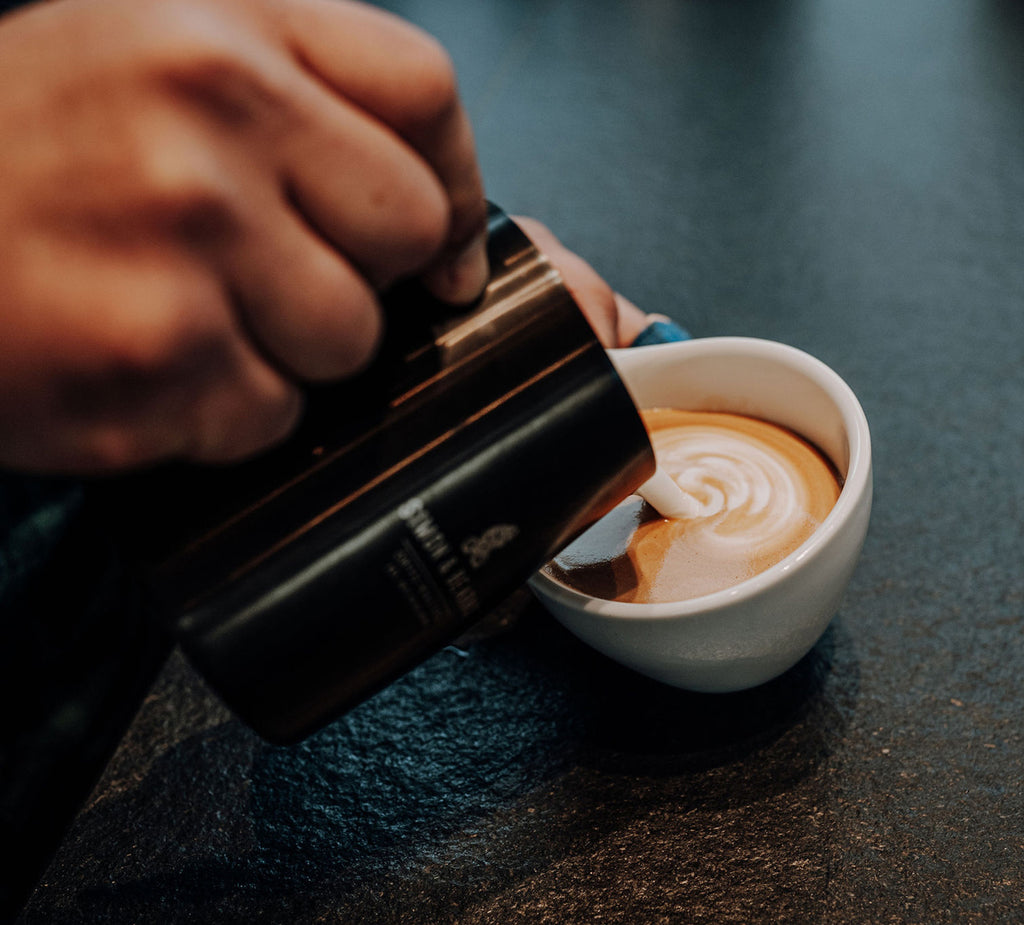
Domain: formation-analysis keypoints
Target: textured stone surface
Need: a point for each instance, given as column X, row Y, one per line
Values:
column 846, row 178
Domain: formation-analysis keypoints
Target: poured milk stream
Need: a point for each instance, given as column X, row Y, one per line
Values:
column 663, row 493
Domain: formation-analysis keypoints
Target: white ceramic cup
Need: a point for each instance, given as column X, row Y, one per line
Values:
column 747, row 634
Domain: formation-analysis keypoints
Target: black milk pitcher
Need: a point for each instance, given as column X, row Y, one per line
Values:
column 412, row 499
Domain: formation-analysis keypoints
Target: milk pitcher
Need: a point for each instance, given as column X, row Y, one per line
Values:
column 412, row 499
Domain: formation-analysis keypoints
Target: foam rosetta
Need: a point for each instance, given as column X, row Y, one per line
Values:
column 760, row 492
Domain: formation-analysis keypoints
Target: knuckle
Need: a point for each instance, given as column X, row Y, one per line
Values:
column 280, row 413
column 360, row 343
column 207, row 91
column 431, row 82
column 256, row 416
column 217, row 79
column 412, row 218
column 197, row 53
column 194, row 212
column 324, row 323
column 425, row 225
column 116, row 448
column 169, row 336
column 182, row 192
column 146, row 346
column 346, row 343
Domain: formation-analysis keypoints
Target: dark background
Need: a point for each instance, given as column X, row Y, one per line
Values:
column 844, row 177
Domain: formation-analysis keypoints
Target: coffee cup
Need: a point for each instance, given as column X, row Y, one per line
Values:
column 755, row 630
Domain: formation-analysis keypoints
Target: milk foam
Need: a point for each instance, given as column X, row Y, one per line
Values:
column 759, row 491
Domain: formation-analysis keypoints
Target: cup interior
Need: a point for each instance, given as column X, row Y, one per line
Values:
column 762, row 379
column 746, row 376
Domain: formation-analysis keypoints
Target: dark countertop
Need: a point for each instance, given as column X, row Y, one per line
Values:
column 844, row 177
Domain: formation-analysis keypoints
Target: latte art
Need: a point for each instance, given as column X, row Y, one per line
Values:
column 748, row 477
column 759, row 492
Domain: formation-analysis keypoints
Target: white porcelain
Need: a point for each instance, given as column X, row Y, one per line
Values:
column 754, row 631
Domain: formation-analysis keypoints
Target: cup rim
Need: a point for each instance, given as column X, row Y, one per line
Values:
column 856, row 483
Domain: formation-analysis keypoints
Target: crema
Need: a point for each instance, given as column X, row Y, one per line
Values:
column 760, row 492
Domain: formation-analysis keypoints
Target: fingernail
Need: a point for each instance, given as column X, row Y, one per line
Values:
column 464, row 277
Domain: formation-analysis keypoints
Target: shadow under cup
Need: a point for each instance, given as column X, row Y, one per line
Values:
column 750, row 633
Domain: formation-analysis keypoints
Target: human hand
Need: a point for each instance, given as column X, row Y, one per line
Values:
column 615, row 319
column 199, row 202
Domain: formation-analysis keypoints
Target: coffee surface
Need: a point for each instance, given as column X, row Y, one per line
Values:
column 761, row 491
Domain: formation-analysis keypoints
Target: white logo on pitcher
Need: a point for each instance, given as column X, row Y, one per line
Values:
column 478, row 549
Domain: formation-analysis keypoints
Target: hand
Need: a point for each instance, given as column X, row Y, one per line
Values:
column 199, row 202
column 615, row 319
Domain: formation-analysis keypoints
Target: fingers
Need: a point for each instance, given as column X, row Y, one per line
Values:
column 225, row 185
column 152, row 367
column 374, row 171
column 593, row 295
column 615, row 319
column 632, row 320
column 362, row 189
column 401, row 77
column 311, row 311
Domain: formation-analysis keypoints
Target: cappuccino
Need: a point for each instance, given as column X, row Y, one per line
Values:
column 759, row 492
